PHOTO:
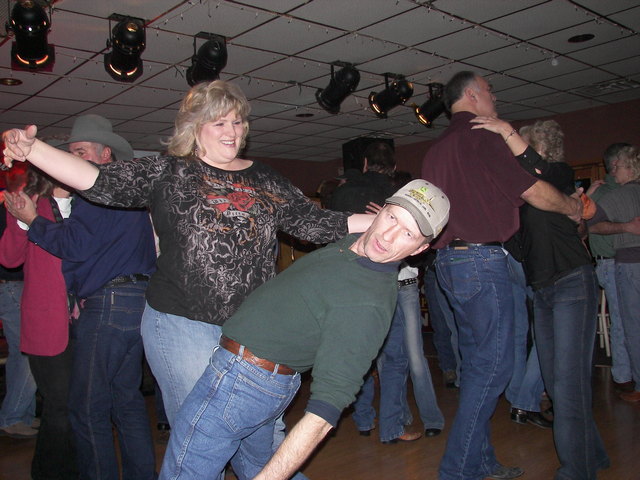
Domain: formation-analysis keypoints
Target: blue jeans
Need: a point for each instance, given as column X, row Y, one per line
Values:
column 565, row 324
column 628, row 285
column 620, row 363
column 178, row 351
column 409, row 314
column 19, row 404
column 477, row 283
column 445, row 332
column 393, row 369
column 526, row 386
column 229, row 415
column 105, row 391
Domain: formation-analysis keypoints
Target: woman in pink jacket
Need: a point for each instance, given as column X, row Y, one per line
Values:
column 44, row 334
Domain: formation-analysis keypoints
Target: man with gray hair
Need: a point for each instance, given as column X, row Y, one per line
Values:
column 602, row 250
column 107, row 257
column 486, row 185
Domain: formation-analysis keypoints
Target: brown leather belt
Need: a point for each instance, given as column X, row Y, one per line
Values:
column 234, row 347
column 462, row 245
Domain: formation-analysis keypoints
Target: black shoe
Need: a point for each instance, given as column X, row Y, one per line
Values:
column 506, row 473
column 432, row 432
column 519, row 416
column 364, row 433
column 537, row 419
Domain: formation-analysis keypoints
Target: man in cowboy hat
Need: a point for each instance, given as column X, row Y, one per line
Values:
column 107, row 257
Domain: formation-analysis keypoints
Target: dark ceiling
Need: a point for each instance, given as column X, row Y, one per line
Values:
column 280, row 52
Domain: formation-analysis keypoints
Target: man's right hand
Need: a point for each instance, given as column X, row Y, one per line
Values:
column 18, row 144
column 578, row 208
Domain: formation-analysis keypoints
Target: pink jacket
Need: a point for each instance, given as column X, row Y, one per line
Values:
column 44, row 328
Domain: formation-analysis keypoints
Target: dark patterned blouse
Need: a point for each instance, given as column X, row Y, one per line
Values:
column 217, row 228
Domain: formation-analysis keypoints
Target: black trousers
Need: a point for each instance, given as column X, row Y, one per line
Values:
column 55, row 455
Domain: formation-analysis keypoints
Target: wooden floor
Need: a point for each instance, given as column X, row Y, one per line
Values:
column 350, row 456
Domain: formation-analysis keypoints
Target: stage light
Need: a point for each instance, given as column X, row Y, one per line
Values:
column 127, row 42
column 342, row 83
column 396, row 93
column 30, row 25
column 433, row 107
column 211, row 58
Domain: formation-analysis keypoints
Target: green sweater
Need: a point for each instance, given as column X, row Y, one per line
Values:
column 330, row 311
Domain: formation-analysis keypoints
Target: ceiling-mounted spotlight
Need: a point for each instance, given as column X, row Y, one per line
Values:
column 394, row 94
column 30, row 25
column 211, row 58
column 342, row 83
column 433, row 107
column 127, row 42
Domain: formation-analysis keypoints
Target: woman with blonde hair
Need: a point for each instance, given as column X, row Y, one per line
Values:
column 560, row 271
column 216, row 215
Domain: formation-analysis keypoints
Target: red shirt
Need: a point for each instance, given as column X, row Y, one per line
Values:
column 482, row 179
column 44, row 323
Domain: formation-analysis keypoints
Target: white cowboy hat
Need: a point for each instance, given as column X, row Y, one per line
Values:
column 97, row 129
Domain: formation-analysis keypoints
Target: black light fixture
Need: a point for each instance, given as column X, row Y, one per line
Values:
column 394, row 94
column 127, row 42
column 342, row 83
column 30, row 25
column 211, row 58
column 433, row 107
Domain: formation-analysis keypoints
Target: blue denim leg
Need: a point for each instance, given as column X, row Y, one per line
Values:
column 442, row 334
column 628, row 284
column 393, row 370
column 478, row 286
column 565, row 324
column 178, row 350
column 19, row 404
column 620, row 363
column 107, row 373
column 364, row 415
column 408, row 309
column 230, row 412
column 526, row 386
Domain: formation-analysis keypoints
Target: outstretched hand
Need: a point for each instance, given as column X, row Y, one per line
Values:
column 18, row 144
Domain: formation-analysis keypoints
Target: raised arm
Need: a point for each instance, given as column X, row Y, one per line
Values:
column 510, row 135
column 296, row 448
column 21, row 145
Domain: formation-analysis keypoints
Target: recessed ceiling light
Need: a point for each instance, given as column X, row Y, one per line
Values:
column 304, row 115
column 10, row 82
column 585, row 37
